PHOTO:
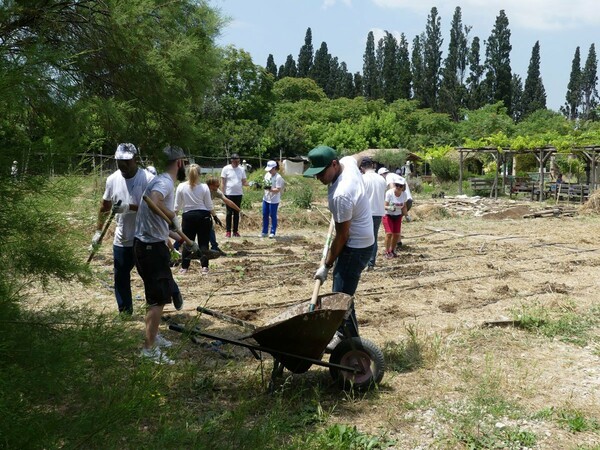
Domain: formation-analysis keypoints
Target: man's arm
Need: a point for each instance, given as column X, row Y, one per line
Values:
column 342, row 233
column 159, row 201
column 223, row 184
column 105, row 207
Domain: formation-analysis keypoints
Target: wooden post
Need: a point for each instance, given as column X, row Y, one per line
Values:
column 460, row 172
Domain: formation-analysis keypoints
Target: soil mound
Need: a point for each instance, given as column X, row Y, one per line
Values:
column 511, row 213
column 592, row 206
column 430, row 211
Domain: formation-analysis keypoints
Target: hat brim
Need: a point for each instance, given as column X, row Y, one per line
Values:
column 124, row 157
column 313, row 171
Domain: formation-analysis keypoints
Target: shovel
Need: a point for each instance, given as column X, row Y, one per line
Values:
column 104, row 230
column 210, row 254
column 315, row 294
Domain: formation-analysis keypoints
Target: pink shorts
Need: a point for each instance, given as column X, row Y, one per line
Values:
column 392, row 224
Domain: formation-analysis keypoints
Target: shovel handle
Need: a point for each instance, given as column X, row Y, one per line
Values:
column 156, row 210
column 104, row 230
column 315, row 294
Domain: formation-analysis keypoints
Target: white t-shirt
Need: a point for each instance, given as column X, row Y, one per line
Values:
column 188, row 198
column 398, row 202
column 348, row 201
column 394, row 178
column 129, row 191
column 375, row 190
column 278, row 182
column 150, row 227
column 234, row 179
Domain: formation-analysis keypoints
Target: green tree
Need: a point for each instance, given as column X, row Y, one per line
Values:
column 534, row 94
column 369, row 75
column 404, row 75
column 499, row 76
column 475, row 89
column 290, row 89
column 271, row 67
column 573, row 97
column 432, row 59
column 288, row 69
column 518, row 106
column 321, row 68
column 589, row 81
column 305, row 57
column 418, row 69
column 357, row 80
column 390, row 70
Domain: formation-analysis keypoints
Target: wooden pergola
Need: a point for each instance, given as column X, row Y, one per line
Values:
column 502, row 155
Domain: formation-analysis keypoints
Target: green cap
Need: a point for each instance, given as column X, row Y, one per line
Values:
column 320, row 157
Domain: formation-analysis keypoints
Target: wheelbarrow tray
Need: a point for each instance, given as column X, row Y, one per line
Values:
column 304, row 333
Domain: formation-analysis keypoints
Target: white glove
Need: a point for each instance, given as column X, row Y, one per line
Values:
column 175, row 225
column 390, row 208
column 194, row 248
column 321, row 273
column 120, row 209
column 97, row 238
column 407, row 218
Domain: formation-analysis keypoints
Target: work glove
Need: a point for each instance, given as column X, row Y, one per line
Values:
column 175, row 226
column 321, row 273
column 218, row 221
column 194, row 249
column 120, row 209
column 390, row 208
column 408, row 218
column 97, row 238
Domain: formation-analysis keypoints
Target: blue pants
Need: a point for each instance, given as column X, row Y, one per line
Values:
column 376, row 225
column 269, row 210
column 123, row 263
column 346, row 274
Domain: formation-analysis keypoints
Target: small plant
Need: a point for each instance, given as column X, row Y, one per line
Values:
column 340, row 437
column 576, row 422
column 302, row 196
column 412, row 353
column 445, row 169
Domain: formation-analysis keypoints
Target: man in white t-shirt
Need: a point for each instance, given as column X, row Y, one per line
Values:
column 127, row 186
column 375, row 188
column 352, row 246
column 233, row 180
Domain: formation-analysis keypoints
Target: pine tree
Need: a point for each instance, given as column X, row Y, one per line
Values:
column 418, row 69
column 498, row 81
column 475, row 94
column 289, row 69
column 369, row 77
column 320, row 68
column 518, row 106
column 573, row 97
column 589, row 80
column 271, row 67
column 432, row 59
column 390, row 69
column 534, row 94
column 452, row 91
column 305, row 57
column 404, row 76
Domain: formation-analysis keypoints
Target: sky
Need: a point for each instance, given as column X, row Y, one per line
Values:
column 279, row 26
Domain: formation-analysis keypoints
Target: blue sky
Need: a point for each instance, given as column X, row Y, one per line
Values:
column 279, row 26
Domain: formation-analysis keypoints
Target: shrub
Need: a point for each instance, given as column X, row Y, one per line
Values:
column 445, row 169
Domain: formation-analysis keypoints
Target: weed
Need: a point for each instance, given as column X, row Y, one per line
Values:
column 412, row 353
column 341, row 437
column 576, row 422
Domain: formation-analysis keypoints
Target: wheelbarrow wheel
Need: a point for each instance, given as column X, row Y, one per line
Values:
column 361, row 354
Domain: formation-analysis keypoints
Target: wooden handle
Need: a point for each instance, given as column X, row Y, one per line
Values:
column 156, row 210
column 104, row 230
column 317, row 287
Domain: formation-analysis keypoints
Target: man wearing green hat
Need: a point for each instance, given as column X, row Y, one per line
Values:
column 353, row 243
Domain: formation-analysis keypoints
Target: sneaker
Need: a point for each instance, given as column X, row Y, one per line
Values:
column 182, row 271
column 155, row 354
column 204, row 270
column 236, row 234
column 262, row 235
column 337, row 338
column 272, row 235
column 228, row 234
column 394, row 254
column 178, row 301
column 162, row 341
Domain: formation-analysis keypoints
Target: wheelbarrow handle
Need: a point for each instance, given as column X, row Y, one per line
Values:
column 315, row 294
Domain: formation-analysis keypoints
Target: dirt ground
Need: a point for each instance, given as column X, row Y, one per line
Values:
column 464, row 262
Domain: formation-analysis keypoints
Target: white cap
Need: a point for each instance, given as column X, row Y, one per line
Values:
column 125, row 152
column 270, row 165
column 152, row 170
column 382, row 171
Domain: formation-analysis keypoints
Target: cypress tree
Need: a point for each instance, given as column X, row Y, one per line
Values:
column 369, row 77
column 389, row 68
column 404, row 76
column 573, row 97
column 518, row 106
column 289, row 69
column 475, row 94
column 344, row 84
column 358, row 84
column 534, row 94
column 432, row 59
column 379, row 63
column 271, row 67
column 589, row 80
column 417, row 68
column 320, row 69
column 498, row 82
column 305, row 57
column 333, row 78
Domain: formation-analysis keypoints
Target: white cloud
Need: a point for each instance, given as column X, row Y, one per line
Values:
column 526, row 14
column 330, row 3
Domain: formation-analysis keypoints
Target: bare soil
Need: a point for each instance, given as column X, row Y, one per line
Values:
column 464, row 262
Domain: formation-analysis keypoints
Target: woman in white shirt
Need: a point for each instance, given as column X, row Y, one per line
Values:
column 395, row 208
column 193, row 199
column 273, row 184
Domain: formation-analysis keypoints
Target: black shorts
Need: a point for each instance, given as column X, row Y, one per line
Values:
column 152, row 263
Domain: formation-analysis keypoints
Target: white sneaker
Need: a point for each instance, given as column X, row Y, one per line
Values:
column 262, row 235
column 162, row 341
column 337, row 338
column 155, row 354
column 272, row 235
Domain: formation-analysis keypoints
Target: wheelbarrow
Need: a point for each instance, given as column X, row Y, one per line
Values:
column 298, row 338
